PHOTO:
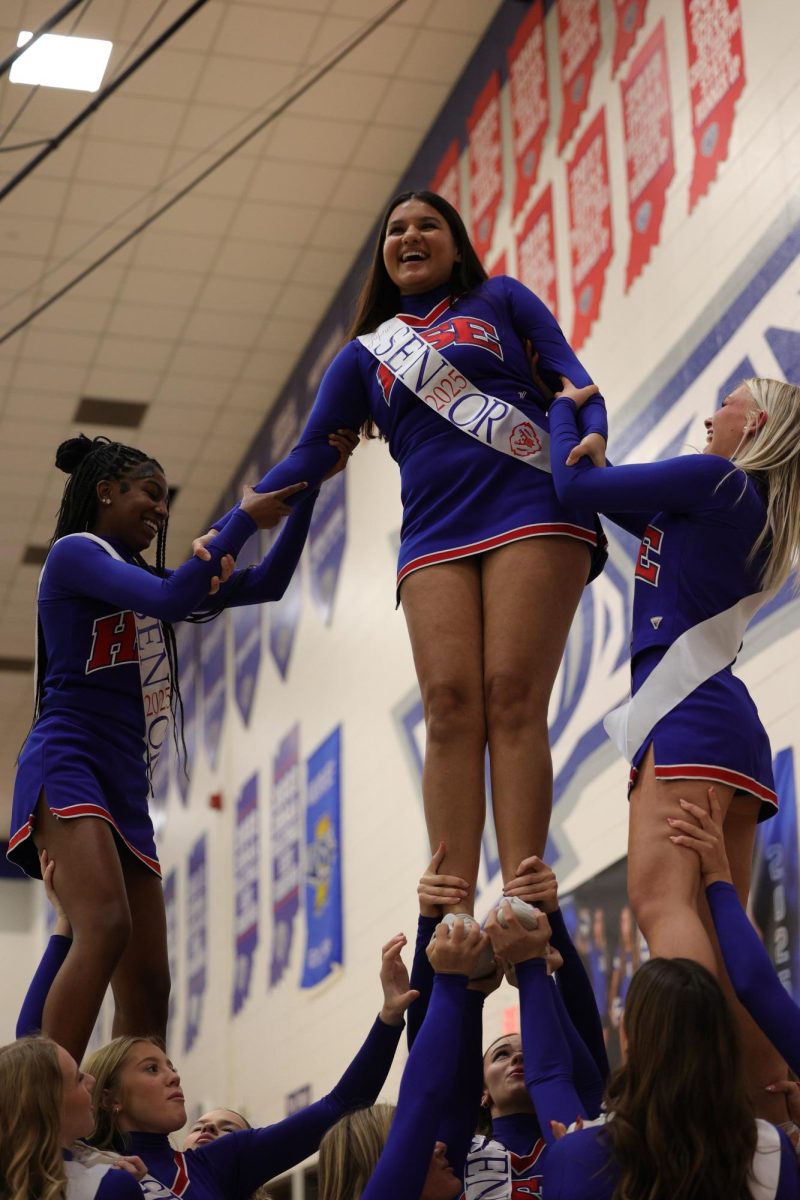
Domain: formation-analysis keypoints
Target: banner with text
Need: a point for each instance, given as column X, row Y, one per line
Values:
column 246, row 862
column 323, row 877
column 285, row 817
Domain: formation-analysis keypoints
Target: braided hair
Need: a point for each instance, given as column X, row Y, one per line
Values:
column 86, row 461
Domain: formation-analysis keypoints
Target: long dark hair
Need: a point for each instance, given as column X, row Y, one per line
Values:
column 86, row 461
column 380, row 298
column 684, row 1062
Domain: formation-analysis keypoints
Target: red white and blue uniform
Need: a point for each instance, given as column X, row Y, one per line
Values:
column 509, row 1164
column 460, row 497
column 105, row 673
column 581, row 1166
column 698, row 518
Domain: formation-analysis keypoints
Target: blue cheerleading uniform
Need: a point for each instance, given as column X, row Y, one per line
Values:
column 580, row 1166
column 460, row 497
column 427, row 1080
column 513, row 1155
column 698, row 518
column 752, row 974
column 233, row 1166
column 99, row 1182
column 106, row 682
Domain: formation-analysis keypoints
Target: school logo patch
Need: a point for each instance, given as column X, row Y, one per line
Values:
column 113, row 642
column 524, row 440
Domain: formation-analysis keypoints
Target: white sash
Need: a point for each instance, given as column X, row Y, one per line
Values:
column 83, row 1182
column 428, row 374
column 766, row 1169
column 487, row 1171
column 92, row 1164
column 694, row 657
column 154, row 673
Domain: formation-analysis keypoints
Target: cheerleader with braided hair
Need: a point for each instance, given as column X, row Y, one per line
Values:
column 106, row 688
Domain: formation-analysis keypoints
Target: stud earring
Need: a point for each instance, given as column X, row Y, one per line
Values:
column 106, row 500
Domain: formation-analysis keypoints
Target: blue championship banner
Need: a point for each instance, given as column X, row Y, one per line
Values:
column 212, row 658
column 326, row 542
column 196, row 941
column 245, row 883
column 284, row 618
column 285, row 847
column 323, row 861
column 171, row 914
column 773, row 895
column 186, row 636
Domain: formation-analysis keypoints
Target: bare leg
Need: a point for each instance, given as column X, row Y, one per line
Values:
column 442, row 606
column 664, row 886
column 141, row 980
column 531, row 590
column 92, row 889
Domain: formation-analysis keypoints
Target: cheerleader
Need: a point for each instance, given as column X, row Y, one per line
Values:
column 106, row 688
column 491, row 565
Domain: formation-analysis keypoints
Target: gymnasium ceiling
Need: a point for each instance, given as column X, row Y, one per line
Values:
column 200, row 318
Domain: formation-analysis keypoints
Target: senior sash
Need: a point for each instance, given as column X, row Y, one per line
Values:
column 154, row 672
column 427, row 373
column 694, row 657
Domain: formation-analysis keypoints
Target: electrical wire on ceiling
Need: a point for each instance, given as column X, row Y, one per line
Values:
column 35, row 90
column 269, row 119
column 118, row 69
column 54, row 142
column 64, row 11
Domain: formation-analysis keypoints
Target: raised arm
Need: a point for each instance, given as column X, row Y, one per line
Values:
column 269, row 579
column 77, row 565
column 693, row 481
column 341, row 403
column 56, row 950
column 430, row 1070
column 536, row 883
column 533, row 320
column 244, row 1161
column 749, row 966
column 546, row 1051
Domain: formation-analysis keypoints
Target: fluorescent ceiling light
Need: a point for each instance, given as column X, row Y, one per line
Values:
column 62, row 62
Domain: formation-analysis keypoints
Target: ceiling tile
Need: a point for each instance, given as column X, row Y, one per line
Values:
column 300, row 139
column 283, row 36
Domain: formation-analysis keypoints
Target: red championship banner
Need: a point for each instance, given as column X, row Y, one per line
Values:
column 536, row 252
column 589, row 226
column 629, row 16
column 530, row 106
column 649, row 150
column 578, row 47
column 485, row 164
column 716, row 80
column 447, row 180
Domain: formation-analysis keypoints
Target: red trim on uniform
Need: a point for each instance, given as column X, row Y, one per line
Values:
column 545, row 529
column 734, row 779
column 85, row 810
column 436, row 312
column 181, row 1180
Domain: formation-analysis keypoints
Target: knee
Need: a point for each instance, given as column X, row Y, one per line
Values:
column 512, row 704
column 107, row 929
column 453, row 712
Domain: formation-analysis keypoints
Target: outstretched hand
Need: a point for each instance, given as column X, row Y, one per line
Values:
column 345, row 441
column 512, row 941
column 397, row 995
column 534, row 882
column 438, row 892
column 704, row 834
column 62, row 926
column 456, row 949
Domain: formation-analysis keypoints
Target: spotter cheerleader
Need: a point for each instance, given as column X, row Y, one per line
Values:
column 720, row 532
column 105, row 689
column 491, row 565
column 678, row 1122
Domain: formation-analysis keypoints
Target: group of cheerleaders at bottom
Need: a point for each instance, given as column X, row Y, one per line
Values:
column 550, row 1119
